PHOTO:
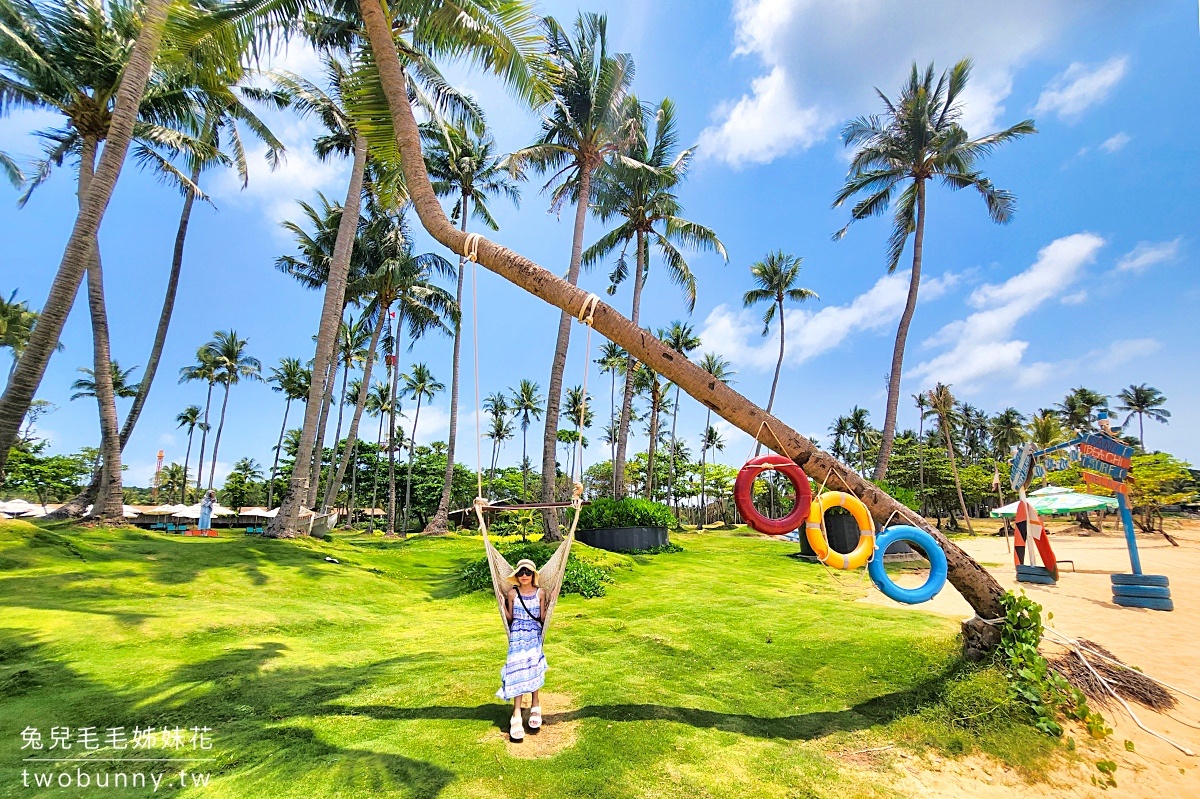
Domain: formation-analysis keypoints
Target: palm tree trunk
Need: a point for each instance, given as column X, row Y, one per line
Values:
column 187, row 457
column 978, row 587
column 314, row 483
column 704, row 470
column 27, row 377
column 962, row 504
column 359, row 404
column 212, row 470
column 391, row 525
column 375, row 471
column 612, row 431
column 330, row 488
column 287, row 407
column 910, row 306
column 204, row 437
column 671, row 500
column 286, row 524
column 921, row 459
column 525, row 462
column 164, row 318
column 778, row 367
column 108, row 499
column 412, row 446
column 1141, row 432
column 559, row 364
column 654, row 403
column 439, row 523
column 630, row 363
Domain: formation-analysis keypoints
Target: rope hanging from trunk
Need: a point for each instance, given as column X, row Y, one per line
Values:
column 550, row 576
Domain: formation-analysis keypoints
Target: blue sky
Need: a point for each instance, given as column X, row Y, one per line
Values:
column 1092, row 284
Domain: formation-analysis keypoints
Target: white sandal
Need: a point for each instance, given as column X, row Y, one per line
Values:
column 516, row 730
column 535, row 718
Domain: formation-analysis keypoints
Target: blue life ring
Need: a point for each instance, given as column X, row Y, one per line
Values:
column 937, row 565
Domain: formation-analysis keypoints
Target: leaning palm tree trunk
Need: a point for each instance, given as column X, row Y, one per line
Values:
column 337, row 437
column 164, row 318
column 627, row 397
column 212, row 470
column 910, row 305
column 977, row 586
column 559, row 364
column 962, row 504
column 359, row 403
column 287, row 408
column 32, row 367
column 314, row 481
column 439, row 523
column 286, row 523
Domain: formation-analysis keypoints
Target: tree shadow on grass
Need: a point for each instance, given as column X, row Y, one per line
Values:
column 256, row 745
column 877, row 711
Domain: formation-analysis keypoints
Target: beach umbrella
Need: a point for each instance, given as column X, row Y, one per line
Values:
column 1050, row 491
column 162, row 510
column 1059, row 504
column 19, row 507
column 130, row 512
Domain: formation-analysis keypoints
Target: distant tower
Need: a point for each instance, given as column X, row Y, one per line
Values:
column 157, row 474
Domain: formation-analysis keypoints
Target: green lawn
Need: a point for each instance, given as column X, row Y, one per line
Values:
column 729, row 669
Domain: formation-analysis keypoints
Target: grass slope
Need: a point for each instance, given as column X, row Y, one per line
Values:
column 727, row 670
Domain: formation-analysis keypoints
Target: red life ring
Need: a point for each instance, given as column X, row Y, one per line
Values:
column 744, row 484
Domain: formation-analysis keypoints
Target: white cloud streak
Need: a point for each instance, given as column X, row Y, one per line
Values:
column 1115, row 142
column 1081, row 86
column 982, row 346
column 737, row 333
column 1146, row 254
column 821, row 58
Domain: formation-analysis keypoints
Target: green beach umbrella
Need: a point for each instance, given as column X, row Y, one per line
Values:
column 1059, row 503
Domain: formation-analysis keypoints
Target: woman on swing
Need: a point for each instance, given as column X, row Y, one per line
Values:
column 525, row 669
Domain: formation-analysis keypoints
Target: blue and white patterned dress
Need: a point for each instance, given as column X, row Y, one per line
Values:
column 525, row 669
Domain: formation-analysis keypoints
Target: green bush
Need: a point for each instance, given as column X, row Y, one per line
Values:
column 628, row 512
column 581, row 578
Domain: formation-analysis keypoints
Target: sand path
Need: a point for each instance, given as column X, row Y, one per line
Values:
column 1165, row 645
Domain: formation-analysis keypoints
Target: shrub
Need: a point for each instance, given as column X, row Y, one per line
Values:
column 628, row 512
column 581, row 578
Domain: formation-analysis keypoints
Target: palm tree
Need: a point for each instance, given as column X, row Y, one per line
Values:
column 862, row 433
column 419, row 384
column 922, row 402
column 647, row 383
column 526, row 406
column 173, row 481
column 682, row 338
column 719, row 369
column 711, row 440
column 942, row 405
column 1143, row 400
column 495, row 405
column 1078, row 409
column 585, row 125
column 776, row 277
column 976, row 584
column 38, row 54
column 353, row 336
column 189, row 417
column 232, row 365
column 204, row 369
column 1046, row 429
column 579, row 413
column 342, row 138
column 379, row 403
column 638, row 190
column 841, row 435
column 612, row 360
column 122, row 388
column 1008, row 431
column 16, row 326
column 916, row 139
column 464, row 166
column 392, row 273
column 292, row 379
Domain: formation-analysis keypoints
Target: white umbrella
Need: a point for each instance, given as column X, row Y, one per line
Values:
column 187, row 511
column 256, row 512
column 162, row 510
column 18, row 507
column 130, row 512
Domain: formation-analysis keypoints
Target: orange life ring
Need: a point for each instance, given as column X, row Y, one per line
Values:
column 814, row 531
column 743, row 487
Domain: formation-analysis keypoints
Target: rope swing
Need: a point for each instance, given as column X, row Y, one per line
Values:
column 550, row 576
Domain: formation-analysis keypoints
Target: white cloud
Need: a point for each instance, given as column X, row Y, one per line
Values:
column 1146, row 254
column 1115, row 354
column 1072, row 92
column 821, row 58
column 1078, row 298
column 1115, row 142
column 737, row 334
column 981, row 345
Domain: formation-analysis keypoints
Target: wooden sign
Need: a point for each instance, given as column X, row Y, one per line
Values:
column 1105, row 482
